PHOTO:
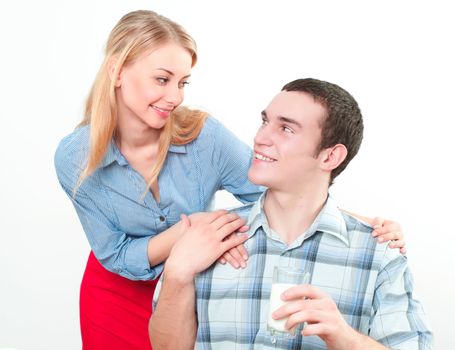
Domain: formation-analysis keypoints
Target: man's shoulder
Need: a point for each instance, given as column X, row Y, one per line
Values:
column 244, row 210
column 360, row 236
column 354, row 224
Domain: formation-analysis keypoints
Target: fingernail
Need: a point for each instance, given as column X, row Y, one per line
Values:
column 374, row 234
column 243, row 265
column 245, row 257
column 380, row 239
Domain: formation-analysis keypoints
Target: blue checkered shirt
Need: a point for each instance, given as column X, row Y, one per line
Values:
column 370, row 283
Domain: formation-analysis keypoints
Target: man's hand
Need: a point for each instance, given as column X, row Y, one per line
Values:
column 203, row 242
column 306, row 303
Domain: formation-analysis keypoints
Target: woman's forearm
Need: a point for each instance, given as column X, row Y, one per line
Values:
column 159, row 247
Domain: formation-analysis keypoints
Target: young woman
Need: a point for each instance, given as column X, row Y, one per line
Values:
column 136, row 162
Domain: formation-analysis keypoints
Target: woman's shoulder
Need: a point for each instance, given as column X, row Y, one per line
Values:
column 73, row 148
column 214, row 131
column 211, row 124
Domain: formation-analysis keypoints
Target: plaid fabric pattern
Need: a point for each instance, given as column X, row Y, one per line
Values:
column 370, row 283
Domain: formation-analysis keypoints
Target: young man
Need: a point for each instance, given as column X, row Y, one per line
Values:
column 360, row 292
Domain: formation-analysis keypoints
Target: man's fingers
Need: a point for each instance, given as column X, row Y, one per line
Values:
column 314, row 329
column 303, row 291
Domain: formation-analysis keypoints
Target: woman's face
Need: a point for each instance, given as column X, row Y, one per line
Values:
column 150, row 87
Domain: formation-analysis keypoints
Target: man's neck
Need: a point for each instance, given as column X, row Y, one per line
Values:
column 291, row 214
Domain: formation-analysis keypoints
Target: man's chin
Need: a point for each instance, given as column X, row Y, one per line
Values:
column 257, row 179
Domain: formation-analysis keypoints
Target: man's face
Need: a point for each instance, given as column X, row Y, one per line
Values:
column 285, row 145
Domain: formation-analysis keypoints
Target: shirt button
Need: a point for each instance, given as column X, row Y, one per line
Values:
column 162, row 218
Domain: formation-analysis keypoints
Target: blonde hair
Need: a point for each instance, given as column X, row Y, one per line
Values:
column 136, row 33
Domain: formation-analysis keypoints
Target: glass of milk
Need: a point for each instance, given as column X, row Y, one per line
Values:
column 283, row 278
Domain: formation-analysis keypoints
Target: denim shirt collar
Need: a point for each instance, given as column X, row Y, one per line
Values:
column 113, row 154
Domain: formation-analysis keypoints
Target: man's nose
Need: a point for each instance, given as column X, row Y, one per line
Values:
column 264, row 135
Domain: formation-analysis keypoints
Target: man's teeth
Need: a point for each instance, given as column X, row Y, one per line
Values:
column 261, row 157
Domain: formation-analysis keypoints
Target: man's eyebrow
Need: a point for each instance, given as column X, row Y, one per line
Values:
column 283, row 119
column 289, row 121
column 171, row 73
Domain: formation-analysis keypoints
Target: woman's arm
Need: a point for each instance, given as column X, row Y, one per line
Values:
column 232, row 159
column 173, row 324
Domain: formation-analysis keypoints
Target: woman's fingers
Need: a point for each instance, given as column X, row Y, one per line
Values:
column 233, row 261
column 390, row 236
column 378, row 222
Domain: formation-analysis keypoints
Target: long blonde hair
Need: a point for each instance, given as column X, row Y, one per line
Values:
column 136, row 33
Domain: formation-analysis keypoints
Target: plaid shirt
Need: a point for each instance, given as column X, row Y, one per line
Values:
column 370, row 283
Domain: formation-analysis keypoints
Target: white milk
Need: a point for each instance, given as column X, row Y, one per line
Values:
column 275, row 303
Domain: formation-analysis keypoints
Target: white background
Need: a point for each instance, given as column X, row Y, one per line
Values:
column 396, row 57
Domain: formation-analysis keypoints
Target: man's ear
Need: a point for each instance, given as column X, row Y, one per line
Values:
column 332, row 157
column 111, row 67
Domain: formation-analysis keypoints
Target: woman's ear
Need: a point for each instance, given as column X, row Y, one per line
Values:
column 111, row 68
column 332, row 157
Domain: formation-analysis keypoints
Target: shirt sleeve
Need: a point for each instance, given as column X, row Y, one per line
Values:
column 233, row 159
column 398, row 318
column 117, row 251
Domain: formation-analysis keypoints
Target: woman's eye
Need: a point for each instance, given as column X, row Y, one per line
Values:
column 286, row 129
column 162, row 81
column 183, row 84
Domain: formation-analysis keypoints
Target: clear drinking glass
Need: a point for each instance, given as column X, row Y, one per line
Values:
column 283, row 279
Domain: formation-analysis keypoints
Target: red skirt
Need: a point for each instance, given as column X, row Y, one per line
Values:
column 114, row 311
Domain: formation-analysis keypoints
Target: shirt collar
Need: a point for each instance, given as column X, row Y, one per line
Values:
column 113, row 154
column 177, row 148
column 329, row 220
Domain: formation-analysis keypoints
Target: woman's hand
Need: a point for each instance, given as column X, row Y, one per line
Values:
column 384, row 230
column 236, row 256
column 203, row 241
column 387, row 230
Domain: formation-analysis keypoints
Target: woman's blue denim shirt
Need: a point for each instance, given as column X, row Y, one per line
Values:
column 116, row 216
